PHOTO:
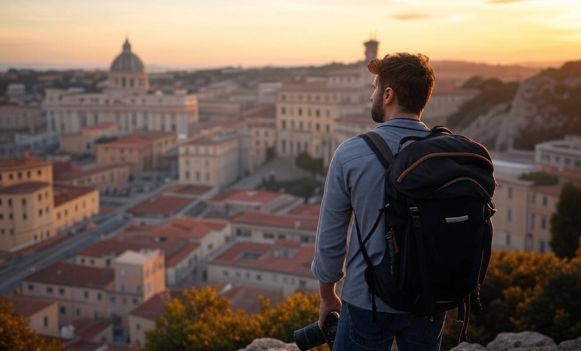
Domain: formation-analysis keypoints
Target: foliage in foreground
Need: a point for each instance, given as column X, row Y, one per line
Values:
column 522, row 291
column 16, row 335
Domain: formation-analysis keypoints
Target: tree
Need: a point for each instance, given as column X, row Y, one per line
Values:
column 16, row 335
column 566, row 222
column 313, row 165
column 200, row 319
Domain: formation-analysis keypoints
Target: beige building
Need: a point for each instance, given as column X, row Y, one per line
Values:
column 269, row 228
column 143, row 151
column 108, row 178
column 564, row 154
column 524, row 210
column 83, row 143
column 42, row 314
column 26, row 202
column 99, row 293
column 21, row 119
column 284, row 265
column 127, row 101
column 73, row 204
column 79, row 291
column 211, row 157
column 306, row 114
column 260, row 127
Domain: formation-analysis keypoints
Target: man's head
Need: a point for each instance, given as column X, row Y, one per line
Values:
column 402, row 85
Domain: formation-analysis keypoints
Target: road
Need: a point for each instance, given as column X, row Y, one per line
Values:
column 110, row 225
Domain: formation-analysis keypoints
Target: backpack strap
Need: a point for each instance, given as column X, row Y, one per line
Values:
column 379, row 147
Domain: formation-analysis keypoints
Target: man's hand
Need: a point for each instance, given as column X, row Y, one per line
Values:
column 329, row 302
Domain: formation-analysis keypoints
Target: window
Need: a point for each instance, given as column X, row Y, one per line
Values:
column 62, row 310
column 509, row 215
column 45, row 321
column 508, row 239
column 86, row 294
column 49, row 290
column 545, row 201
column 30, row 287
column 509, row 192
column 61, row 291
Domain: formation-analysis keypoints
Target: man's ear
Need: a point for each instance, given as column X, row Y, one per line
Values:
column 388, row 96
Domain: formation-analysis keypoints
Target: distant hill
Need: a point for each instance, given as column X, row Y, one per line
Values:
column 544, row 107
column 461, row 71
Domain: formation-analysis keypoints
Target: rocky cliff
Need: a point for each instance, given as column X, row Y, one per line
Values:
column 524, row 341
column 545, row 106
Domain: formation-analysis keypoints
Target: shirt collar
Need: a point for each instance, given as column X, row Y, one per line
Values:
column 404, row 122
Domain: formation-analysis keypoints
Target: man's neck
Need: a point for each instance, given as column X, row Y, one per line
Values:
column 411, row 116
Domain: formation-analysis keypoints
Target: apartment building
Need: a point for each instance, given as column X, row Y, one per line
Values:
column 232, row 201
column 143, row 151
column 285, row 265
column 107, row 178
column 32, row 209
column 269, row 228
column 42, row 314
column 83, row 142
column 564, row 154
column 26, row 119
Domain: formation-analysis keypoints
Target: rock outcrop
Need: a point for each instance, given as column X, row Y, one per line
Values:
column 266, row 344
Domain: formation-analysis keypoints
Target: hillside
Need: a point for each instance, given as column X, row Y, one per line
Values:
column 544, row 107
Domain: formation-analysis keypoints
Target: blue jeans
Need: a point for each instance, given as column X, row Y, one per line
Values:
column 357, row 331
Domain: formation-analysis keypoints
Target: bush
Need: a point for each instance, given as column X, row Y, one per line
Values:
column 540, row 178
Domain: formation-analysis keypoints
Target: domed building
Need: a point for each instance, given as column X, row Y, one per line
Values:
column 127, row 102
column 127, row 71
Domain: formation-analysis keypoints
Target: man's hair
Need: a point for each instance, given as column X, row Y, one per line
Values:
column 410, row 76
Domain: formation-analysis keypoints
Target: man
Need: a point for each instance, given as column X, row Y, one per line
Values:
column 402, row 86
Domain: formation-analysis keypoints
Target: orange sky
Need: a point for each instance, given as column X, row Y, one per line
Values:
column 214, row 33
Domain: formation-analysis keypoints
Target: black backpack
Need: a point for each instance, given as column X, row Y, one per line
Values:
column 438, row 235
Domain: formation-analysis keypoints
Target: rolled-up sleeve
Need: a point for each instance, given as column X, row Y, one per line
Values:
column 335, row 214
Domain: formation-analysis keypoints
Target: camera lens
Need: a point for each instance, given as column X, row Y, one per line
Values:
column 309, row 337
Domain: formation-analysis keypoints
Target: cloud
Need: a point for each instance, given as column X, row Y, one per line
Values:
column 503, row 1
column 411, row 16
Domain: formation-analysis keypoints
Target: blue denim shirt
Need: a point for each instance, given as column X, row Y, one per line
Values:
column 355, row 183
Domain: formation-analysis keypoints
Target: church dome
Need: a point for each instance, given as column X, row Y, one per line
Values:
column 127, row 61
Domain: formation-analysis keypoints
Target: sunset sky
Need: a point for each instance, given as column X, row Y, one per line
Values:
column 211, row 33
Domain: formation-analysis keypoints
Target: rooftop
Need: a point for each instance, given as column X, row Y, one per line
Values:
column 194, row 190
column 113, row 247
column 68, row 274
column 27, row 306
column 24, row 188
column 185, row 228
column 319, row 86
column 248, row 197
column 65, row 171
column 153, row 307
column 306, row 210
column 137, row 257
column 65, row 193
column 160, row 206
column 277, row 220
column 88, row 328
column 283, row 257
column 138, row 140
column 21, row 163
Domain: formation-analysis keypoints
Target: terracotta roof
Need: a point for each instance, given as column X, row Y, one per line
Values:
column 21, row 163
column 306, row 210
column 65, row 171
column 261, row 111
column 88, row 329
column 113, row 247
column 276, row 220
column 24, row 188
column 246, row 297
column 153, row 307
column 248, row 197
column 162, row 206
column 65, row 193
column 279, row 257
column 196, row 190
column 185, row 228
column 138, row 140
column 63, row 273
column 27, row 306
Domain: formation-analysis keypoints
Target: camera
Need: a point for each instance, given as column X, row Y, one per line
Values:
column 313, row 336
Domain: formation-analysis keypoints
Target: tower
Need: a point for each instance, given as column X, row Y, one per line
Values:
column 371, row 47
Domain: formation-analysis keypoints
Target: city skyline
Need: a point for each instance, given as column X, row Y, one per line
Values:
column 257, row 33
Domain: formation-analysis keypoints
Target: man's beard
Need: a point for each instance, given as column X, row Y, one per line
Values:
column 377, row 112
